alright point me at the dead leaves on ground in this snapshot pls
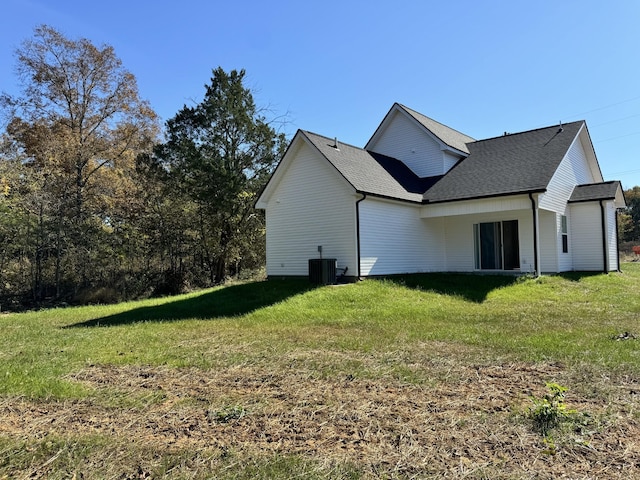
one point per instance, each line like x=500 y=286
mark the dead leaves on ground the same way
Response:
x=465 y=419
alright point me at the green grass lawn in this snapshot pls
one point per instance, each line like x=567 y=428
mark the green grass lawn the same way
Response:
x=371 y=331
x=569 y=318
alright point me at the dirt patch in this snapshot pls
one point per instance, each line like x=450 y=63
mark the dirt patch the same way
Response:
x=469 y=421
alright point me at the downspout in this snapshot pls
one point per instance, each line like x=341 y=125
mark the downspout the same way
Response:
x=535 y=234
x=364 y=195
x=604 y=239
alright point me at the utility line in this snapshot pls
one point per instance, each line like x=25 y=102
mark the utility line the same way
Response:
x=617 y=120
x=604 y=108
x=615 y=138
x=625 y=172
x=579 y=116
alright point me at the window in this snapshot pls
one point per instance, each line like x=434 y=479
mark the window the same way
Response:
x=496 y=245
x=565 y=234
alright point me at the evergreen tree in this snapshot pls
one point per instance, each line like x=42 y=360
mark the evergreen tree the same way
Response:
x=219 y=153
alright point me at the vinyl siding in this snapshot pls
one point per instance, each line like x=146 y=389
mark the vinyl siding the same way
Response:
x=450 y=161
x=393 y=239
x=408 y=142
x=460 y=244
x=586 y=236
x=437 y=248
x=573 y=170
x=552 y=258
x=612 y=235
x=312 y=205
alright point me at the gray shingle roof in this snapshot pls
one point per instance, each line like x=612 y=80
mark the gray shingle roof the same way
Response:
x=595 y=191
x=507 y=165
x=516 y=163
x=447 y=135
x=364 y=171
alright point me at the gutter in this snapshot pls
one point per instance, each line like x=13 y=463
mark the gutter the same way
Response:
x=483 y=197
x=395 y=199
x=605 y=265
x=364 y=195
x=534 y=212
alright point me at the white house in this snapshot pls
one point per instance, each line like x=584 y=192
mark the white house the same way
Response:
x=422 y=197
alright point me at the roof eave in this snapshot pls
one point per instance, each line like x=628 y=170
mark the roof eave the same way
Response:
x=484 y=197
x=394 y=107
x=389 y=197
x=263 y=198
x=590 y=151
x=455 y=151
x=401 y=108
x=586 y=200
x=617 y=197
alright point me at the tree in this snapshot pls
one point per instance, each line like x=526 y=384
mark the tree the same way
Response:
x=220 y=153
x=630 y=219
x=81 y=124
x=85 y=100
x=17 y=226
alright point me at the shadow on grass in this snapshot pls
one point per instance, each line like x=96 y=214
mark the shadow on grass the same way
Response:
x=473 y=288
x=577 y=276
x=223 y=302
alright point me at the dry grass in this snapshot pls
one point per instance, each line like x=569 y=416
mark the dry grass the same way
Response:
x=464 y=420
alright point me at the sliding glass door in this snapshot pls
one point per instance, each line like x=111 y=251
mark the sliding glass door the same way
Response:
x=496 y=245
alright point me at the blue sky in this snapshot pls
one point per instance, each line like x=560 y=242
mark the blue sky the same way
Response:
x=336 y=67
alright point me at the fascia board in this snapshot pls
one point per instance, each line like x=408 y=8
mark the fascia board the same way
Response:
x=381 y=127
x=590 y=152
x=398 y=108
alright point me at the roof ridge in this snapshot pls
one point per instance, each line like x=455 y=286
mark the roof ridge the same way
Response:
x=434 y=121
x=597 y=183
x=365 y=171
x=308 y=132
x=529 y=131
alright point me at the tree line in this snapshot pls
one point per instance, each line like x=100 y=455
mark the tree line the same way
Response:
x=629 y=219
x=99 y=203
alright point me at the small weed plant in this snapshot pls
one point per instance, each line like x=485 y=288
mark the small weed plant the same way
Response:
x=227 y=414
x=550 y=410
